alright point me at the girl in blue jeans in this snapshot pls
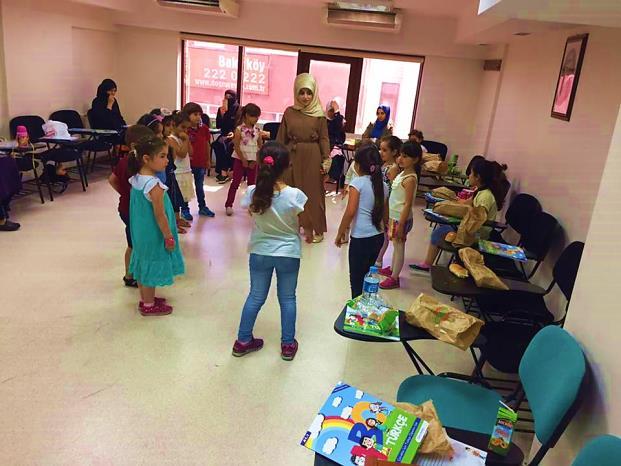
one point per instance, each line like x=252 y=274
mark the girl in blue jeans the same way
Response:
x=274 y=245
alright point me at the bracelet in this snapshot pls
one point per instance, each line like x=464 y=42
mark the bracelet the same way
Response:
x=169 y=241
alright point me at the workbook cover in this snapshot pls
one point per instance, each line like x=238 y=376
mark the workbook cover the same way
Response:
x=503 y=250
x=378 y=321
x=442 y=218
x=353 y=425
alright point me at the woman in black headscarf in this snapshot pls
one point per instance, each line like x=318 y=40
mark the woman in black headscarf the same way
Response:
x=105 y=112
x=226 y=121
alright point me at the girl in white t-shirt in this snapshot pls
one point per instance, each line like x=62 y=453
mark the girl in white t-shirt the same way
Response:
x=366 y=214
x=247 y=141
x=274 y=245
x=180 y=142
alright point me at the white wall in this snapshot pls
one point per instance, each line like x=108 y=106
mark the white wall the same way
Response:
x=594 y=315
x=41 y=43
x=559 y=162
x=148 y=62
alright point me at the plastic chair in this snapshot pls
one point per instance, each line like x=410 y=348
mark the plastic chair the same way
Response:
x=553 y=375
x=73 y=120
x=272 y=128
x=435 y=147
x=601 y=451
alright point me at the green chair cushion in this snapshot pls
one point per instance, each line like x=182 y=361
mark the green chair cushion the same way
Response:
x=601 y=451
x=459 y=404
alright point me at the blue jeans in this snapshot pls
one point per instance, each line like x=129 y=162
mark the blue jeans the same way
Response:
x=261 y=270
x=199 y=178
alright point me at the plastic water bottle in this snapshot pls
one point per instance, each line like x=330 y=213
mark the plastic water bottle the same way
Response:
x=370 y=286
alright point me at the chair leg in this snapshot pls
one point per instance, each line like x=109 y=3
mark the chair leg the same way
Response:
x=38 y=182
x=83 y=169
x=78 y=162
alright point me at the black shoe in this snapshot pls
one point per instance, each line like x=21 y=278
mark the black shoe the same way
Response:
x=221 y=179
x=9 y=226
x=131 y=282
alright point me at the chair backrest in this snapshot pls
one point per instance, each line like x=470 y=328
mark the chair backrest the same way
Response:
x=272 y=128
x=538 y=238
x=89 y=117
x=566 y=268
x=553 y=373
x=601 y=451
x=435 y=147
x=33 y=124
x=521 y=212
x=70 y=117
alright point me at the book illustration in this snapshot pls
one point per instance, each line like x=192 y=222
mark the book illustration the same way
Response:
x=352 y=426
x=503 y=250
x=376 y=321
x=463 y=455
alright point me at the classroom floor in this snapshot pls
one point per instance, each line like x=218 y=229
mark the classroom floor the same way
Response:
x=87 y=380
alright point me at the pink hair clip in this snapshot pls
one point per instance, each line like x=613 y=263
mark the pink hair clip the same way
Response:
x=269 y=160
x=372 y=169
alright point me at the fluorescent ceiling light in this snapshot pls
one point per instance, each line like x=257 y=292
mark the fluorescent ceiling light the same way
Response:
x=375 y=7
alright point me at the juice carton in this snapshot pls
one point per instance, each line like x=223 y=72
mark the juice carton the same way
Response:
x=500 y=441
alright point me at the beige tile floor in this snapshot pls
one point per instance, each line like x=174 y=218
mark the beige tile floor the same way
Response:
x=87 y=380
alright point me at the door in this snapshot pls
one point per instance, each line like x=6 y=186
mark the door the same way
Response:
x=338 y=78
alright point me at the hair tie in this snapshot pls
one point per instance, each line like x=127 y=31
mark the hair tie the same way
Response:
x=269 y=160
x=372 y=169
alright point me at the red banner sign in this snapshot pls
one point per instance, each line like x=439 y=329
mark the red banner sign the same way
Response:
x=212 y=69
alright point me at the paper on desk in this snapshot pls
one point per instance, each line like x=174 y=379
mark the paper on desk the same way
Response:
x=464 y=455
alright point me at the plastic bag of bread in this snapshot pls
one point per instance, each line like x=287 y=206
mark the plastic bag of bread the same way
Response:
x=458 y=270
x=436 y=440
x=450 y=236
x=470 y=224
x=451 y=209
x=431 y=157
x=436 y=166
x=444 y=193
x=482 y=275
x=443 y=321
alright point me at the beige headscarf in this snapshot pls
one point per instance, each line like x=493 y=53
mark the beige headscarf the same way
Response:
x=307 y=81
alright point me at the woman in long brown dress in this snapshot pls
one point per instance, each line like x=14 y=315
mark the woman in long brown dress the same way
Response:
x=304 y=131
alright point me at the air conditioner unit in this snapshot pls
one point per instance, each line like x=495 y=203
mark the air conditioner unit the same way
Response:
x=210 y=7
x=375 y=16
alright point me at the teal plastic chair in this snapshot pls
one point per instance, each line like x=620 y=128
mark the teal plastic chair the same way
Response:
x=553 y=374
x=601 y=451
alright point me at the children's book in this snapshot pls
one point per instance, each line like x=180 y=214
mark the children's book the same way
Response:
x=353 y=425
x=432 y=199
x=375 y=321
x=503 y=250
x=463 y=455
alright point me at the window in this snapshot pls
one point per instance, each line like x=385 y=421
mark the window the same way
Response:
x=388 y=82
x=212 y=68
x=332 y=80
x=268 y=80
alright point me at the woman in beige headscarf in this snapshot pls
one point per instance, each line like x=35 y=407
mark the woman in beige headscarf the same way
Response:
x=305 y=133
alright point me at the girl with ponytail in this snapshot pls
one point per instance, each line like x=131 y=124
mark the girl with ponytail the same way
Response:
x=274 y=245
x=366 y=213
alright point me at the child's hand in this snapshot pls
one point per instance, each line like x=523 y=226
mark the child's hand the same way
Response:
x=401 y=232
x=308 y=237
x=184 y=136
x=340 y=239
x=169 y=243
x=345 y=192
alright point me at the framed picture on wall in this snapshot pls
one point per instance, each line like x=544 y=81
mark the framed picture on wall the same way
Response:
x=568 y=75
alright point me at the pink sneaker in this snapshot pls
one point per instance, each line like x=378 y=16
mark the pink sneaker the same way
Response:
x=386 y=272
x=158 y=309
x=156 y=301
x=389 y=284
x=242 y=349
x=288 y=351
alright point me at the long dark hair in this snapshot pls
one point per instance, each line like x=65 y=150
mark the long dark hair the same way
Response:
x=493 y=178
x=370 y=163
x=472 y=162
x=150 y=121
x=270 y=171
x=250 y=109
x=147 y=145
x=105 y=86
x=413 y=150
x=394 y=143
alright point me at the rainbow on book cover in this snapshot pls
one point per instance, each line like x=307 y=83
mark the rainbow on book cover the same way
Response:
x=353 y=425
x=504 y=250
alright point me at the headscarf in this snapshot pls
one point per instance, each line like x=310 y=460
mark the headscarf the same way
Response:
x=380 y=126
x=307 y=81
x=105 y=86
x=232 y=101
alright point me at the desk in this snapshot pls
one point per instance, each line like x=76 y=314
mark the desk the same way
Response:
x=443 y=281
x=432 y=183
x=475 y=439
x=11 y=147
x=432 y=217
x=93 y=132
x=73 y=153
x=407 y=333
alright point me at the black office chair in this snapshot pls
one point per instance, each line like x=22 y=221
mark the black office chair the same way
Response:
x=113 y=140
x=434 y=147
x=73 y=120
x=33 y=123
x=272 y=128
x=25 y=164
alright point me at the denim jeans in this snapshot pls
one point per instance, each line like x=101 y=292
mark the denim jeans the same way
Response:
x=199 y=179
x=261 y=270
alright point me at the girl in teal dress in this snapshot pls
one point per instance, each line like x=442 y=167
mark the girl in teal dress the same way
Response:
x=156 y=257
